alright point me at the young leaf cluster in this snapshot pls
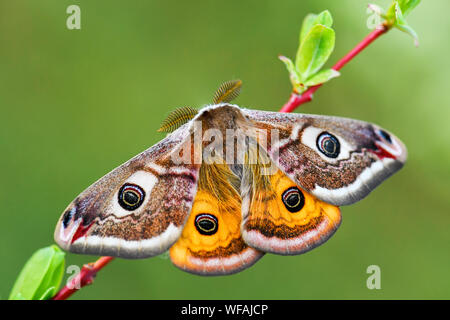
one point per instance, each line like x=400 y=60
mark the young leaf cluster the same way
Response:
x=316 y=43
x=395 y=16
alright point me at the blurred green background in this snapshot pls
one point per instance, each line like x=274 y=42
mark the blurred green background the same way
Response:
x=77 y=103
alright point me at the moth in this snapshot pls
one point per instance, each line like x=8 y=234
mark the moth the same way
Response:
x=230 y=184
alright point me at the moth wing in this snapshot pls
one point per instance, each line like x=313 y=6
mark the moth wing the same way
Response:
x=363 y=156
x=211 y=242
x=97 y=222
x=280 y=217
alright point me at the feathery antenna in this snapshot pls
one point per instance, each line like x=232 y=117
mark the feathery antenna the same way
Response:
x=177 y=118
x=228 y=91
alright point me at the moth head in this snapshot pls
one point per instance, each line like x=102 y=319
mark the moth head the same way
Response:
x=225 y=93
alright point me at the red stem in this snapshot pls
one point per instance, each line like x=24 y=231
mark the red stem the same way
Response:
x=84 y=278
x=89 y=271
x=296 y=100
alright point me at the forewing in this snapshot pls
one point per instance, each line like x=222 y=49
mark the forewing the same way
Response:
x=366 y=155
x=98 y=222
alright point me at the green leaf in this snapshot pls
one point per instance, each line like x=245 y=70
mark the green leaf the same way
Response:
x=308 y=23
x=290 y=68
x=48 y=294
x=321 y=77
x=315 y=50
x=323 y=18
x=17 y=297
x=41 y=275
x=402 y=25
x=406 y=6
x=293 y=74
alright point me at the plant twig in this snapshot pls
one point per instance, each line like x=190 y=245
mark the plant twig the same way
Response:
x=84 y=278
x=296 y=100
